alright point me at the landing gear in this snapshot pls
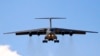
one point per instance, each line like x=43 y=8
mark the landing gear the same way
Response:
x=44 y=41
x=56 y=41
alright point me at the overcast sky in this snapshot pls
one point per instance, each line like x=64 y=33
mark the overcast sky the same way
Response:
x=16 y=15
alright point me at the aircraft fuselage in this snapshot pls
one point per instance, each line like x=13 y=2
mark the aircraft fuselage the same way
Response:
x=50 y=37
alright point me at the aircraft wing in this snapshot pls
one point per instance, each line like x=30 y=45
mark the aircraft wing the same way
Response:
x=40 y=31
x=62 y=31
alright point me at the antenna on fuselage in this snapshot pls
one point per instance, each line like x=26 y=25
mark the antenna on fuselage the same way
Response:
x=50 y=19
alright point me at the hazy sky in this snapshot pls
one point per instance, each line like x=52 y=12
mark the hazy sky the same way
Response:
x=16 y=15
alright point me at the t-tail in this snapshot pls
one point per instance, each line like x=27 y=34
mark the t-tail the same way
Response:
x=50 y=19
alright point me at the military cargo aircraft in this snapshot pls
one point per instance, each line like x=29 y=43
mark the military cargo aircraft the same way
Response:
x=50 y=33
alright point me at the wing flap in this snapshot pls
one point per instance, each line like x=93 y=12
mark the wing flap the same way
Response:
x=40 y=31
x=70 y=31
x=22 y=33
x=33 y=33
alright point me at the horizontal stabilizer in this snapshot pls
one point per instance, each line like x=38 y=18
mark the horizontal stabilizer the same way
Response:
x=51 y=18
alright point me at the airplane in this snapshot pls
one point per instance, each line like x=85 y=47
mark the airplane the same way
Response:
x=50 y=33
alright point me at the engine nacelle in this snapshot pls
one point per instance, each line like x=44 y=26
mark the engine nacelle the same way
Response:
x=38 y=34
x=30 y=34
x=71 y=34
x=63 y=33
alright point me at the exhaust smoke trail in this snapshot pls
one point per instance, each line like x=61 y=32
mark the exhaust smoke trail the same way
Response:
x=67 y=44
x=35 y=48
x=71 y=46
x=30 y=47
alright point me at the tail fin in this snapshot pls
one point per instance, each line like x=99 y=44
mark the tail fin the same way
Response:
x=50 y=19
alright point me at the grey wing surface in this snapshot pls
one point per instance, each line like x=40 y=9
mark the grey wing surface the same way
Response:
x=40 y=31
x=70 y=31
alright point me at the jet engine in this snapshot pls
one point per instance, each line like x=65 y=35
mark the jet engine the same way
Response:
x=71 y=34
x=30 y=34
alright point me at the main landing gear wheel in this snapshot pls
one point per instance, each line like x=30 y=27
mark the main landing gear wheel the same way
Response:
x=56 y=41
x=44 y=41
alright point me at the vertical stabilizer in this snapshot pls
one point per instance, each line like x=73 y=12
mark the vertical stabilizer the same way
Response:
x=50 y=19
